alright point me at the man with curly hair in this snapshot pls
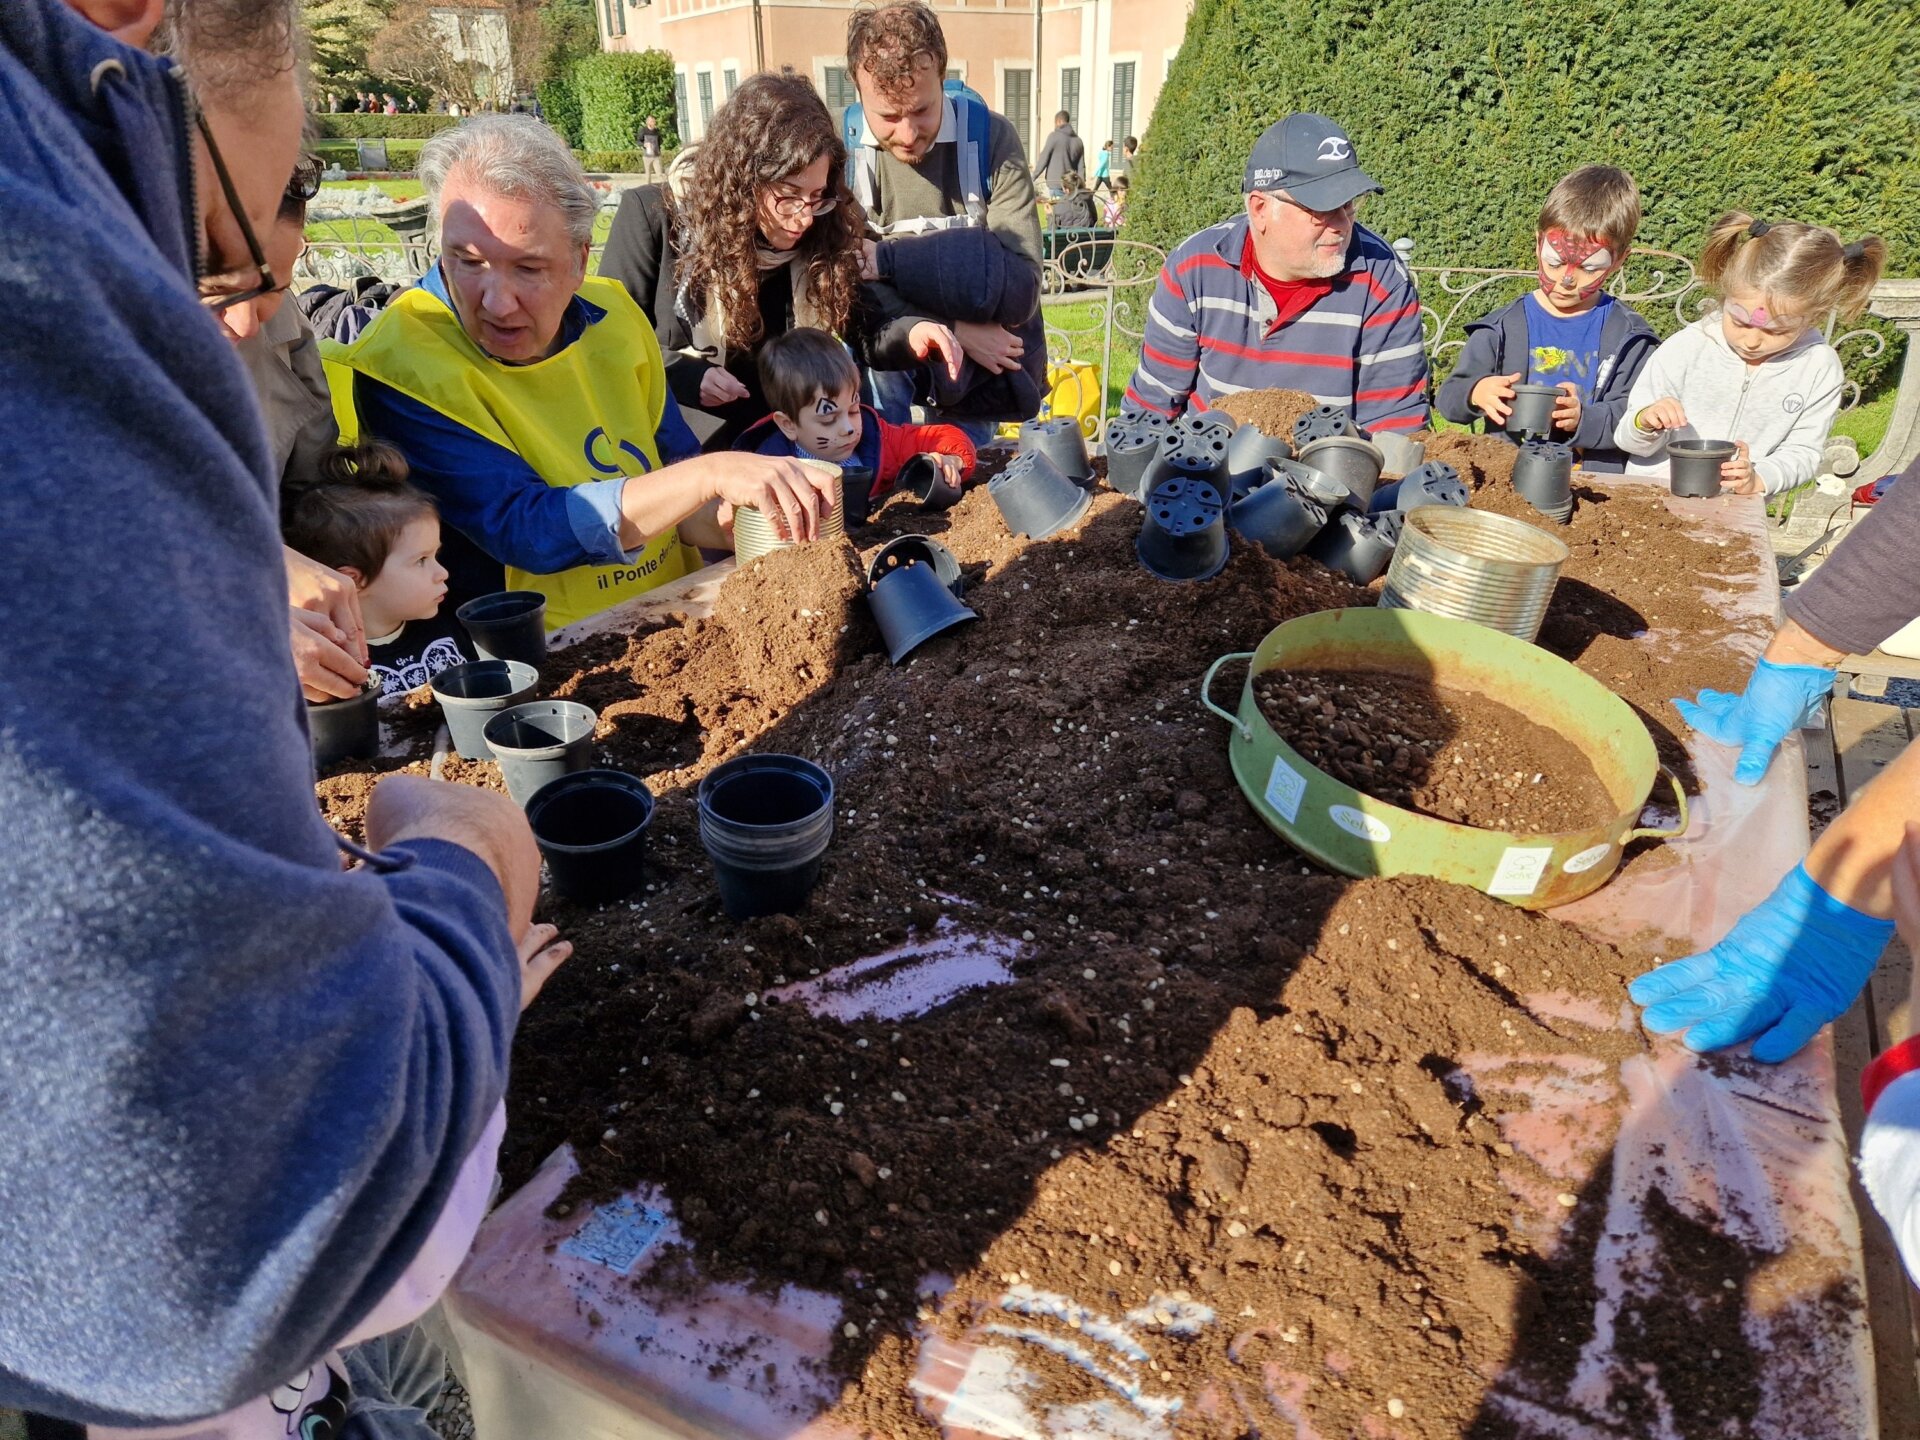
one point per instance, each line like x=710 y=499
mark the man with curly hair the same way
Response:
x=950 y=200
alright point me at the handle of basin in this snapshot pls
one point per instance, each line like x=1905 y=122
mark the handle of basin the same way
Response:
x=1679 y=799
x=1206 y=692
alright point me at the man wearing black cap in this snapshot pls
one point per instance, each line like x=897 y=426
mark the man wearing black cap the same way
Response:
x=1293 y=294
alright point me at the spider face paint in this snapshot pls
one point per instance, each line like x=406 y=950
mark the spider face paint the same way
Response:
x=1572 y=269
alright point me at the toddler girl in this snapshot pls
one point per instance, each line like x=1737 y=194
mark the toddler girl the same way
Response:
x=359 y=515
x=1756 y=370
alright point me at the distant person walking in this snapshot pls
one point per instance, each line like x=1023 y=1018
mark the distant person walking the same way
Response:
x=1060 y=153
x=649 y=140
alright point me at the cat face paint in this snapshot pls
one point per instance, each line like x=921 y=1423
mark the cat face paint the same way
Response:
x=1573 y=268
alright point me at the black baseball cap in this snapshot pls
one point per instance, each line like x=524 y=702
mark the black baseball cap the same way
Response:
x=1310 y=158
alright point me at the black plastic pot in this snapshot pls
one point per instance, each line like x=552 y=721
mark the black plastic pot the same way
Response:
x=345 y=729
x=1401 y=454
x=1324 y=422
x=1354 y=462
x=1184 y=533
x=1035 y=499
x=1278 y=518
x=1325 y=491
x=1247 y=455
x=765 y=821
x=540 y=741
x=511 y=625
x=1060 y=440
x=1358 y=546
x=473 y=693
x=1435 y=483
x=1693 y=466
x=1543 y=477
x=921 y=478
x=591 y=827
x=1531 y=417
x=1206 y=427
x=908 y=549
x=1131 y=447
x=912 y=604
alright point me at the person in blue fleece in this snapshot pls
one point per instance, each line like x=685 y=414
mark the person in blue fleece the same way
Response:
x=245 y=1091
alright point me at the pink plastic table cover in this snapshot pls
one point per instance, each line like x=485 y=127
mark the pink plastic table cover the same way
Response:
x=555 y=1339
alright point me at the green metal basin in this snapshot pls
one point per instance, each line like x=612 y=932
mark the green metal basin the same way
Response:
x=1359 y=835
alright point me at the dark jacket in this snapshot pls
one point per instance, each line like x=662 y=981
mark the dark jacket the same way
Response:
x=1497 y=344
x=640 y=254
x=1078 y=211
x=1060 y=153
x=237 y=1082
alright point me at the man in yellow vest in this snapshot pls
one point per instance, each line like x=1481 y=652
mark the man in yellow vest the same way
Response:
x=531 y=401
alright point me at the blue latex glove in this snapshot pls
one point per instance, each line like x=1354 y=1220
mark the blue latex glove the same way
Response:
x=1791 y=964
x=1778 y=699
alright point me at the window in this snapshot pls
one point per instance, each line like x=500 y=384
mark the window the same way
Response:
x=729 y=82
x=680 y=106
x=615 y=14
x=957 y=72
x=1070 y=92
x=840 y=93
x=1016 y=101
x=1122 y=101
x=704 y=79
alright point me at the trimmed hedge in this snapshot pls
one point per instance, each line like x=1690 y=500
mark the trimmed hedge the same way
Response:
x=1468 y=111
x=401 y=154
x=561 y=106
x=382 y=127
x=618 y=91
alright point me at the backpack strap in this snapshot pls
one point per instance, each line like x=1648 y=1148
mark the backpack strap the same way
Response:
x=862 y=161
x=975 y=142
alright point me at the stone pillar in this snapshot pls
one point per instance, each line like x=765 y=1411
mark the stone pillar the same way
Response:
x=1899 y=301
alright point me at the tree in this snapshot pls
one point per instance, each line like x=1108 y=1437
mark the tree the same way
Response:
x=338 y=33
x=570 y=33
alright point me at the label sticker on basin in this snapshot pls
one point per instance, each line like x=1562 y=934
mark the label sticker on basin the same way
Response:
x=1519 y=870
x=1285 y=786
x=618 y=1235
x=1355 y=823
x=1587 y=859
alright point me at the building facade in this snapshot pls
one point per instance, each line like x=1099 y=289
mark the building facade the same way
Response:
x=1102 y=61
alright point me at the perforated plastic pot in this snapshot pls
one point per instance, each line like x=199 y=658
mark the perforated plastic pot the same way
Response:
x=511 y=625
x=766 y=821
x=1531 y=417
x=540 y=741
x=912 y=604
x=1060 y=440
x=1543 y=477
x=923 y=480
x=1247 y=455
x=1278 y=518
x=1355 y=463
x=908 y=549
x=1131 y=448
x=1183 y=535
x=1435 y=483
x=1035 y=499
x=473 y=693
x=1693 y=466
x=1400 y=454
x=1358 y=546
x=1324 y=422
x=591 y=827
x=345 y=729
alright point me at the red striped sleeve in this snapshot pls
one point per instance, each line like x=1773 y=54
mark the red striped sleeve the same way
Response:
x=1384 y=397
x=1134 y=397
x=1275 y=357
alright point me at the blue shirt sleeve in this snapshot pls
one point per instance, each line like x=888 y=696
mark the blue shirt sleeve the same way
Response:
x=491 y=495
x=674 y=438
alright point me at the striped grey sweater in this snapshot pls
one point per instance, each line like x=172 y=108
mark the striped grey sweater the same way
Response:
x=1210 y=333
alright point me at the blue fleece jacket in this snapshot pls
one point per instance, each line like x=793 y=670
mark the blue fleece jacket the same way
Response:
x=236 y=1081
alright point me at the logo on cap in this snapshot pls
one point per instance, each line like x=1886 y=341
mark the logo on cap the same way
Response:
x=1335 y=147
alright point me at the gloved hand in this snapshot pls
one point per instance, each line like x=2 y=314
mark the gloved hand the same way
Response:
x=1778 y=698
x=1791 y=964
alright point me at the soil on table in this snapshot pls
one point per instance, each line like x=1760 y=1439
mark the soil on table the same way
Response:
x=1273 y=411
x=1436 y=749
x=1211 y=1075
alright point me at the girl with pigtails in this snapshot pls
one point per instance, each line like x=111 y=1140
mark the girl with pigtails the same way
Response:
x=1756 y=370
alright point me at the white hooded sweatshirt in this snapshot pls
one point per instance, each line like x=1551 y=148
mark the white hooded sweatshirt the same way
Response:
x=1783 y=407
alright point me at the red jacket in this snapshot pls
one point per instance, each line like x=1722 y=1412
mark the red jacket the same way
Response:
x=884 y=449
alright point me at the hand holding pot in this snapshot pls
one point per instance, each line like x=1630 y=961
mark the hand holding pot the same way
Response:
x=1566 y=410
x=541 y=953
x=793 y=496
x=720 y=386
x=1737 y=476
x=1493 y=396
x=994 y=348
x=1663 y=414
x=325 y=591
x=1792 y=964
x=326 y=669
x=948 y=467
x=929 y=336
x=1778 y=699
x=486 y=822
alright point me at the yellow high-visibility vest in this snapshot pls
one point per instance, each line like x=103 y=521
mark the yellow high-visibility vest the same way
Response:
x=587 y=413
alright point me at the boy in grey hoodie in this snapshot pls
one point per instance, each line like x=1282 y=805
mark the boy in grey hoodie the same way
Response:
x=1757 y=370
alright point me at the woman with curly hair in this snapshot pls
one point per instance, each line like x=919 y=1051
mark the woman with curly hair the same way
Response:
x=755 y=233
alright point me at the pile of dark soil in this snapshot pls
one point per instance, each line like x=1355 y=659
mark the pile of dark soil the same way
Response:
x=1208 y=1069
x=1437 y=749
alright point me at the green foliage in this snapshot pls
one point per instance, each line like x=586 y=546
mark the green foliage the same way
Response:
x=338 y=33
x=609 y=162
x=569 y=34
x=1468 y=111
x=618 y=92
x=402 y=155
x=561 y=106
x=382 y=127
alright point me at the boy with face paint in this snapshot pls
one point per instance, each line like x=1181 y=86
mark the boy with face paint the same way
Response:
x=1568 y=332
